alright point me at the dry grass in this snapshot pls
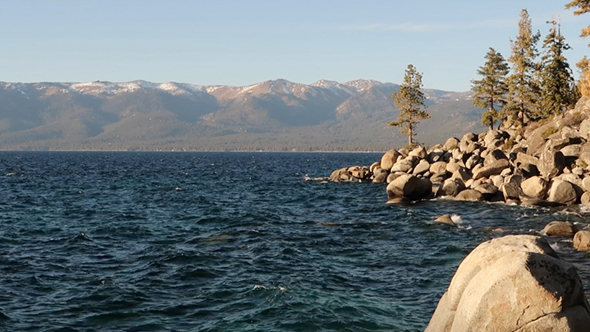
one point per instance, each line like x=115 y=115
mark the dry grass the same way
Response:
x=548 y=132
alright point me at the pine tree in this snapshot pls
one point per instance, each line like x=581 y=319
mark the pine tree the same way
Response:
x=558 y=91
x=490 y=91
x=523 y=89
x=583 y=6
x=409 y=100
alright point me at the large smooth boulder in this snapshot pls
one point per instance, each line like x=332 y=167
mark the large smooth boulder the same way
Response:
x=571 y=151
x=473 y=161
x=439 y=167
x=582 y=240
x=451 y=187
x=493 y=169
x=380 y=177
x=536 y=141
x=422 y=167
x=451 y=143
x=469 y=195
x=576 y=182
x=585 y=129
x=419 y=152
x=562 y=192
x=409 y=187
x=535 y=187
x=461 y=173
x=523 y=158
x=404 y=165
x=492 y=137
x=585 y=153
x=493 y=157
x=560 y=228
x=558 y=144
x=511 y=187
x=489 y=192
x=551 y=163
x=512 y=283
x=389 y=159
x=374 y=166
x=452 y=165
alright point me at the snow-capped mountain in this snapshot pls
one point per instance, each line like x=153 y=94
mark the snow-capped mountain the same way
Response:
x=271 y=115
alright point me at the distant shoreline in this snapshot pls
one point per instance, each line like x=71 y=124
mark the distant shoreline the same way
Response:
x=190 y=151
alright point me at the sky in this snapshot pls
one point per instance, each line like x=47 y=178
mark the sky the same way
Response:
x=243 y=42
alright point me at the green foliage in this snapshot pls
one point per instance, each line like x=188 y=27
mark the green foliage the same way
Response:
x=558 y=89
x=548 y=132
x=508 y=144
x=523 y=87
x=409 y=100
x=490 y=91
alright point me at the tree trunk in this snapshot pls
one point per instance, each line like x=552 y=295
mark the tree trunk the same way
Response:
x=410 y=135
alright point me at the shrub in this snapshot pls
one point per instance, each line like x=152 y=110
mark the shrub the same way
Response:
x=548 y=132
x=508 y=144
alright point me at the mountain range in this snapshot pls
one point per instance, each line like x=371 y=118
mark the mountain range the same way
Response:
x=275 y=115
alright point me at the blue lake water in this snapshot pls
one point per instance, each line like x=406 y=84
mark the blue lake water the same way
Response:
x=93 y=241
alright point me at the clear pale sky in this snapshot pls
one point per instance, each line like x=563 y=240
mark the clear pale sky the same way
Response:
x=243 y=42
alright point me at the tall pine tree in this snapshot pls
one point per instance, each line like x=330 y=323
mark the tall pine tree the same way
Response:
x=523 y=89
x=409 y=100
x=558 y=91
x=490 y=91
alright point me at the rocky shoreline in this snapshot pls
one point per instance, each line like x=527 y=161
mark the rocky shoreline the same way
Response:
x=515 y=282
x=544 y=165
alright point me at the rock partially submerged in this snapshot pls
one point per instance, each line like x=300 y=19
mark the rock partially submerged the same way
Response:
x=513 y=283
x=560 y=228
x=445 y=219
x=582 y=241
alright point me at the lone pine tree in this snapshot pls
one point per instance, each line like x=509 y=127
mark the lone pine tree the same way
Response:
x=523 y=88
x=409 y=100
x=490 y=91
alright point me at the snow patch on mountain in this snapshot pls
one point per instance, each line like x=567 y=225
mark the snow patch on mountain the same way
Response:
x=181 y=88
x=361 y=85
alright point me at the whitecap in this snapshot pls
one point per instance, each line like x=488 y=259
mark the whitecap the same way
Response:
x=466 y=227
x=456 y=219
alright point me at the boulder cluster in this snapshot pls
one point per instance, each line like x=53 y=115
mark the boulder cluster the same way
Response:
x=544 y=165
